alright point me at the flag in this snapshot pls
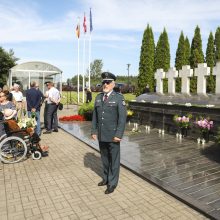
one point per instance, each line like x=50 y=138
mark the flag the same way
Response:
x=84 y=24
x=78 y=30
x=91 y=28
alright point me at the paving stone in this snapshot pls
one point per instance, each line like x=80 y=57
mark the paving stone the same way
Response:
x=64 y=186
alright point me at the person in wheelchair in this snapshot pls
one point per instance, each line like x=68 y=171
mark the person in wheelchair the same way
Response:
x=13 y=128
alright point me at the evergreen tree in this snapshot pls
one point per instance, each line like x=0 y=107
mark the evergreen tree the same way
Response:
x=217 y=45
x=162 y=55
x=210 y=60
x=180 y=53
x=187 y=51
x=196 y=56
x=180 y=59
x=146 y=64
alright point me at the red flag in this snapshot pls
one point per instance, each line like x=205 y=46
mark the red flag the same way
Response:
x=84 y=24
x=78 y=30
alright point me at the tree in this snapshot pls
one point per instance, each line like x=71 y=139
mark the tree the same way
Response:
x=196 y=56
x=74 y=80
x=217 y=45
x=180 y=59
x=180 y=53
x=187 y=51
x=162 y=55
x=210 y=60
x=7 y=61
x=95 y=69
x=146 y=64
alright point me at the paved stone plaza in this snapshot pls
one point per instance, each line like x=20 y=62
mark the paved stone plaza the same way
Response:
x=64 y=186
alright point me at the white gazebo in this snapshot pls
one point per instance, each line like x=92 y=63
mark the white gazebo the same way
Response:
x=40 y=72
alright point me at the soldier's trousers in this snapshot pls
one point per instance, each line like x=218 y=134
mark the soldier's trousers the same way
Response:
x=110 y=155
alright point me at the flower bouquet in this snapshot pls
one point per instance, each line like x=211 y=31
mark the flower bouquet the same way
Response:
x=205 y=125
x=183 y=123
x=129 y=115
x=27 y=122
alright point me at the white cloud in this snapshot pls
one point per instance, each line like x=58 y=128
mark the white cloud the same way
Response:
x=175 y=15
x=22 y=22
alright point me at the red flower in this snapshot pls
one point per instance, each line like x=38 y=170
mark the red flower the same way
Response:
x=72 y=118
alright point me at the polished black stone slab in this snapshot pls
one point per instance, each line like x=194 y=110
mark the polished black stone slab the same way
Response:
x=186 y=170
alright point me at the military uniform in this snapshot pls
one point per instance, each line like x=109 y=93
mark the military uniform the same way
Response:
x=109 y=119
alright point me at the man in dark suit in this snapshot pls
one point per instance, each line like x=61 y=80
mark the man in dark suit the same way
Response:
x=108 y=124
x=34 y=98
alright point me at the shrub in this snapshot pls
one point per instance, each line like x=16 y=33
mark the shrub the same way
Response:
x=86 y=110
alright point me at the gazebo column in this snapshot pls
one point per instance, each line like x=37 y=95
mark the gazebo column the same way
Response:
x=60 y=83
x=29 y=79
x=43 y=83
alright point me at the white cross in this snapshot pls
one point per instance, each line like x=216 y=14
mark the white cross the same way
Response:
x=185 y=73
x=172 y=74
x=159 y=76
x=201 y=72
x=216 y=72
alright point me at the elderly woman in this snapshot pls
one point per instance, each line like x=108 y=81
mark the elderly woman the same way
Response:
x=4 y=101
x=9 y=116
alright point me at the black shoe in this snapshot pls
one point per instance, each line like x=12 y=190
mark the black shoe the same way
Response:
x=102 y=183
x=47 y=132
x=110 y=189
x=44 y=154
x=55 y=130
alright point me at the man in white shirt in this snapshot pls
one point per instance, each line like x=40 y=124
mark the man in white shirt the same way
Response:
x=53 y=100
x=18 y=99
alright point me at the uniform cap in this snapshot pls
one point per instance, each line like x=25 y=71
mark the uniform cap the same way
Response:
x=108 y=76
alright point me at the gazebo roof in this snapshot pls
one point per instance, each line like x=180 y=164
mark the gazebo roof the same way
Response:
x=35 y=66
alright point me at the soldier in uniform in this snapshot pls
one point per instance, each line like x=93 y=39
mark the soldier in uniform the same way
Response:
x=108 y=124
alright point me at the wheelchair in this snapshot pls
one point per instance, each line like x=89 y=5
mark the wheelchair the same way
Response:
x=15 y=146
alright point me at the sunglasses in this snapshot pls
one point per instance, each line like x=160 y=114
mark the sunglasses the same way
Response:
x=106 y=82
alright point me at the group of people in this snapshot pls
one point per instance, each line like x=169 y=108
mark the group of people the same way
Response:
x=108 y=122
x=14 y=99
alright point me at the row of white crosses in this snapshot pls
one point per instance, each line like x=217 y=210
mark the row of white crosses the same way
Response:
x=202 y=71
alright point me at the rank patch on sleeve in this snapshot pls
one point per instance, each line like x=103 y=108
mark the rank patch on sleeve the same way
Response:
x=123 y=102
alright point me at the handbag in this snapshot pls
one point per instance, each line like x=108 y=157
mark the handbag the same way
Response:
x=60 y=106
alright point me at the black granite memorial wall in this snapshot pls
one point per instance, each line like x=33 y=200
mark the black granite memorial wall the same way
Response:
x=161 y=116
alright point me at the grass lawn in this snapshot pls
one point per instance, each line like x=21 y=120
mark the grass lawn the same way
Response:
x=71 y=97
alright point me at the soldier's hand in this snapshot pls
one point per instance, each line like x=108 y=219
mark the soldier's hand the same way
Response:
x=116 y=139
x=94 y=137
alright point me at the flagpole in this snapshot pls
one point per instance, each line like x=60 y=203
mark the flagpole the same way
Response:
x=84 y=51
x=78 y=62
x=89 y=57
x=78 y=75
x=91 y=28
x=84 y=48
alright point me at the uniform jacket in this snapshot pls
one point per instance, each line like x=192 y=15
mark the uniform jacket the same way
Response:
x=109 y=118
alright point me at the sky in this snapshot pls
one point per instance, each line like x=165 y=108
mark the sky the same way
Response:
x=44 y=30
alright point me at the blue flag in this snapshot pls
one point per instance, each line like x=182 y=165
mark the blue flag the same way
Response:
x=91 y=28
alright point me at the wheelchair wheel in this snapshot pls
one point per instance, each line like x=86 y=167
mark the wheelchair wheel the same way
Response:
x=3 y=136
x=12 y=149
x=36 y=155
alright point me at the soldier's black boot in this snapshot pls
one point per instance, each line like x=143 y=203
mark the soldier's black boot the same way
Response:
x=110 y=189
x=102 y=183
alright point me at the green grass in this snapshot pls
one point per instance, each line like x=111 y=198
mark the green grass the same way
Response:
x=71 y=97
